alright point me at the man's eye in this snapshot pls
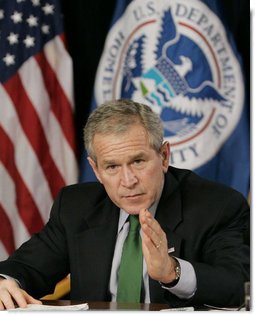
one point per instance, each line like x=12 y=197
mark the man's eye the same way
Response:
x=112 y=168
x=138 y=161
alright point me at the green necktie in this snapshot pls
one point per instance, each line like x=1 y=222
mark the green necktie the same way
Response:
x=131 y=265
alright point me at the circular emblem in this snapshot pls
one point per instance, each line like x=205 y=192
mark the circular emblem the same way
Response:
x=175 y=56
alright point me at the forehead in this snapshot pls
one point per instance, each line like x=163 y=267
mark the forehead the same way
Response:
x=134 y=140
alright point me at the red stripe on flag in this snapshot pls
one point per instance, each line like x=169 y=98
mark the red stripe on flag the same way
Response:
x=63 y=39
x=6 y=232
x=34 y=131
x=60 y=105
x=27 y=208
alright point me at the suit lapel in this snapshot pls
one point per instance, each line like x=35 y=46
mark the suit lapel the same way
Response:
x=169 y=212
x=95 y=246
x=169 y=216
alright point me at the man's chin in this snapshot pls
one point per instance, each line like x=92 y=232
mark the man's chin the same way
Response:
x=134 y=210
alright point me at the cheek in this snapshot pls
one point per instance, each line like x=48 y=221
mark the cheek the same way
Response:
x=110 y=184
x=154 y=178
x=151 y=178
x=156 y=171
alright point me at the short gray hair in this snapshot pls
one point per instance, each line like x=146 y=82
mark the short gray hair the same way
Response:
x=116 y=117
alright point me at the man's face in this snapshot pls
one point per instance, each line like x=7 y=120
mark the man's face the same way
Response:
x=130 y=170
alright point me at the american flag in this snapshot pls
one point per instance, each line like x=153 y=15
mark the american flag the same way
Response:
x=37 y=138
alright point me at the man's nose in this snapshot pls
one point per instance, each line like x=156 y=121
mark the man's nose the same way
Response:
x=128 y=177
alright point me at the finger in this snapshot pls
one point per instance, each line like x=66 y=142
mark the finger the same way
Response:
x=155 y=239
x=152 y=223
x=153 y=249
x=1 y=306
x=142 y=215
x=19 y=296
x=152 y=229
x=6 y=300
x=31 y=300
x=22 y=298
x=147 y=218
x=11 y=294
x=148 y=245
x=157 y=260
x=154 y=258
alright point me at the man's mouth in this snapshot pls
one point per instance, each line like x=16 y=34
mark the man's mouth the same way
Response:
x=133 y=196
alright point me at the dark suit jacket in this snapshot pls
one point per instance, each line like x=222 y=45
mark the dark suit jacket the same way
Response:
x=203 y=221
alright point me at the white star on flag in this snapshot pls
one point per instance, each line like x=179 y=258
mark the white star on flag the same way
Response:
x=35 y=2
x=1 y=14
x=29 y=41
x=13 y=38
x=32 y=21
x=48 y=9
x=9 y=59
x=16 y=17
x=45 y=29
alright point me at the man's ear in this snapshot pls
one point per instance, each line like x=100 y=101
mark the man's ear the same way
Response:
x=165 y=153
x=94 y=167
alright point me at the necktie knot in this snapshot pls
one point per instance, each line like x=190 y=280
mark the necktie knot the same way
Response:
x=134 y=223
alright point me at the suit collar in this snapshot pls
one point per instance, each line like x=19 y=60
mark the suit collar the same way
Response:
x=169 y=211
x=94 y=246
x=169 y=215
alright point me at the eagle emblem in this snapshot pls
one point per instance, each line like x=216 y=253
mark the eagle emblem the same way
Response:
x=171 y=86
x=176 y=57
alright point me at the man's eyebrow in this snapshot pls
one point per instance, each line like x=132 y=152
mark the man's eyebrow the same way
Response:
x=137 y=156
x=109 y=162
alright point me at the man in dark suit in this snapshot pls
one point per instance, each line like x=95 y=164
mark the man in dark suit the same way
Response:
x=192 y=230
